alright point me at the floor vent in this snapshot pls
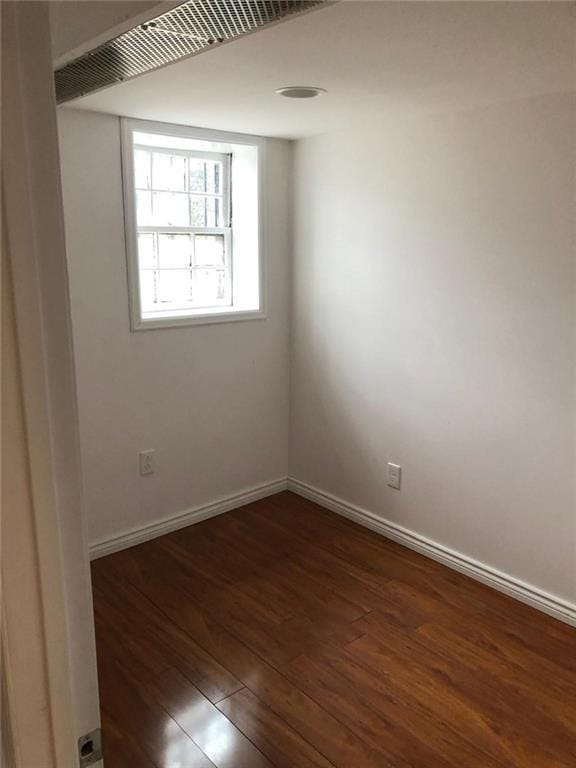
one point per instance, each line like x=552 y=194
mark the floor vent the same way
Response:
x=183 y=31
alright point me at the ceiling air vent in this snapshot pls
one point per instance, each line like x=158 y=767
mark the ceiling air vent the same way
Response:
x=183 y=31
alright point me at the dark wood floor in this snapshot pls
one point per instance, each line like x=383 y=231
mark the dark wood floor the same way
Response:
x=283 y=635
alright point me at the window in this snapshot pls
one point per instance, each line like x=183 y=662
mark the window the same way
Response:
x=192 y=225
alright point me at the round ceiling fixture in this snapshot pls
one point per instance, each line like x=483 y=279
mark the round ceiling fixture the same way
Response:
x=300 y=91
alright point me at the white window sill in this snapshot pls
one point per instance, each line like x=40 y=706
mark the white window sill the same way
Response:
x=200 y=319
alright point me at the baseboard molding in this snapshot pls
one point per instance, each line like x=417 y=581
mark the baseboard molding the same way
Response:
x=183 y=519
x=509 y=585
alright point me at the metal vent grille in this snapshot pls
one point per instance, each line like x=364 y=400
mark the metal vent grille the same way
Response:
x=183 y=31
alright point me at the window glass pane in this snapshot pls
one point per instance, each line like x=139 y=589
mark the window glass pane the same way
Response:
x=148 y=290
x=209 y=288
x=182 y=216
x=175 y=251
x=168 y=172
x=205 y=176
x=205 y=211
x=174 y=287
x=142 y=169
x=209 y=250
x=146 y=251
x=170 y=209
x=144 y=208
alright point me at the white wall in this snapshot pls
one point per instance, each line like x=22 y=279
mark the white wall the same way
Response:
x=433 y=326
x=434 y=314
x=211 y=400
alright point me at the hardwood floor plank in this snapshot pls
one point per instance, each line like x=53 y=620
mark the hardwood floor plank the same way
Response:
x=559 y=704
x=136 y=653
x=432 y=601
x=261 y=534
x=501 y=646
x=383 y=559
x=145 y=721
x=282 y=635
x=381 y=718
x=271 y=734
x=120 y=748
x=276 y=643
x=217 y=737
x=282 y=584
x=508 y=719
x=148 y=631
x=530 y=622
x=305 y=716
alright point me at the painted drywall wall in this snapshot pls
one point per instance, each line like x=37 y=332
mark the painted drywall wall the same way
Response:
x=211 y=400
x=434 y=311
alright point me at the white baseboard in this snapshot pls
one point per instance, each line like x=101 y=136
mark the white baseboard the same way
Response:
x=183 y=519
x=527 y=593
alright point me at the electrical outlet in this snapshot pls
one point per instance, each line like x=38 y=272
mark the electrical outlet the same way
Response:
x=394 y=475
x=147 y=462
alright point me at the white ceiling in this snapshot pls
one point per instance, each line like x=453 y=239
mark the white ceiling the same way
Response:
x=374 y=58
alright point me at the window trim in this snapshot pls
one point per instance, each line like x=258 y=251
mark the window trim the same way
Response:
x=204 y=316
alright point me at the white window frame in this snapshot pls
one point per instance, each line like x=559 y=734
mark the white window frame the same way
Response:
x=201 y=316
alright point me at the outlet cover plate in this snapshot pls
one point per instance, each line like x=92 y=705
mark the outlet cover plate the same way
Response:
x=394 y=475
x=148 y=462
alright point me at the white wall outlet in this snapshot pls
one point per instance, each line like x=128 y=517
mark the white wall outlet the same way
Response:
x=394 y=475
x=147 y=462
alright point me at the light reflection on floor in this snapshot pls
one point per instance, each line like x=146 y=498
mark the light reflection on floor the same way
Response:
x=210 y=731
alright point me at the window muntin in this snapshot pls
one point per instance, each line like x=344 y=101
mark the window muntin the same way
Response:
x=183 y=228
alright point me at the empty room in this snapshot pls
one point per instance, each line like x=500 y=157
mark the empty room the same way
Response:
x=291 y=310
